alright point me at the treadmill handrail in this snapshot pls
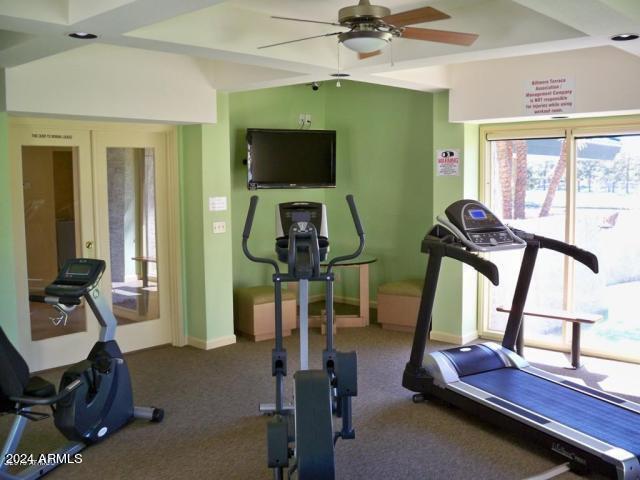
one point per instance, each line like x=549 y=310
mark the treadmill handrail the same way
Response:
x=585 y=257
x=483 y=266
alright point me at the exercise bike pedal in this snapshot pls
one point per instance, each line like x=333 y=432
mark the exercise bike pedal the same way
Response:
x=33 y=416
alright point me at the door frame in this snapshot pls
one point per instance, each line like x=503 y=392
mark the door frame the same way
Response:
x=146 y=330
x=22 y=128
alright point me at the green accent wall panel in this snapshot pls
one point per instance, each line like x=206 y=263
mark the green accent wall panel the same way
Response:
x=8 y=319
x=384 y=144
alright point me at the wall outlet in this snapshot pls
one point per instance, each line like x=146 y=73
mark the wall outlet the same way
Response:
x=307 y=119
x=302 y=119
x=219 y=227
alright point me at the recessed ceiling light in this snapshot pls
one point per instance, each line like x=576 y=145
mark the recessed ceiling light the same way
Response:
x=83 y=35
x=624 y=37
x=340 y=75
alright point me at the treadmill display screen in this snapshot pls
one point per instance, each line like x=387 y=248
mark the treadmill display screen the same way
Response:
x=477 y=214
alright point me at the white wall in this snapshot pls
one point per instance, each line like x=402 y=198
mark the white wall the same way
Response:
x=104 y=81
x=606 y=82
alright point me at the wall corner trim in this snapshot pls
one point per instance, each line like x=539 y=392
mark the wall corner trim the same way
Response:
x=454 y=339
x=213 y=343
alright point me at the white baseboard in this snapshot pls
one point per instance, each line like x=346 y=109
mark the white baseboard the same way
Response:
x=453 y=339
x=213 y=343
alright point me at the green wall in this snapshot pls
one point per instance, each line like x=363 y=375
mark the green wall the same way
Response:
x=383 y=158
x=208 y=273
x=190 y=142
x=7 y=281
x=268 y=108
x=455 y=311
x=384 y=144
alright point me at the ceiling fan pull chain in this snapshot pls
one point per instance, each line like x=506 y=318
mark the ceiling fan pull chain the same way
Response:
x=391 y=54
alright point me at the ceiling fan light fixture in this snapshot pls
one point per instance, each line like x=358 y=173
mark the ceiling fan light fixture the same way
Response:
x=624 y=37
x=83 y=35
x=365 y=41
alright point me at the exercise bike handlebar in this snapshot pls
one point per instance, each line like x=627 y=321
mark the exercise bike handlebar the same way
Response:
x=585 y=257
x=361 y=235
x=66 y=391
x=52 y=300
x=253 y=204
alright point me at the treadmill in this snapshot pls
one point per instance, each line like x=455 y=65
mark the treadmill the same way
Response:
x=595 y=431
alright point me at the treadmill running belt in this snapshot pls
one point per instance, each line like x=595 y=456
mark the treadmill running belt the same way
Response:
x=602 y=420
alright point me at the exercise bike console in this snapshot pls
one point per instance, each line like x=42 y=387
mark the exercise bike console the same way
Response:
x=76 y=277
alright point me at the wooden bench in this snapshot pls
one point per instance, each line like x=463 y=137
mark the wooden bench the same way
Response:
x=576 y=319
x=255 y=312
x=144 y=262
x=398 y=304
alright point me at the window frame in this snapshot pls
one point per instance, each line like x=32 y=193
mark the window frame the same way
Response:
x=571 y=130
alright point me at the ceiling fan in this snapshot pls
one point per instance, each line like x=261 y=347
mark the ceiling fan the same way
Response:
x=372 y=27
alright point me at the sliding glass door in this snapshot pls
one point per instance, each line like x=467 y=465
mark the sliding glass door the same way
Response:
x=528 y=191
x=607 y=222
x=583 y=189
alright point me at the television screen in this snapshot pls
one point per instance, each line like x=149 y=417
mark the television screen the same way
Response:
x=291 y=158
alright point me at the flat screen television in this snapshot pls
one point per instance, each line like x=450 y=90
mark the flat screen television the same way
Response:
x=291 y=158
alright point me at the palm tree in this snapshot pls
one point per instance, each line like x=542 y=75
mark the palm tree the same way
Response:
x=504 y=152
x=521 y=179
x=556 y=177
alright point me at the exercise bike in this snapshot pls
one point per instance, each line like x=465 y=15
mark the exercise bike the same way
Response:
x=301 y=437
x=94 y=398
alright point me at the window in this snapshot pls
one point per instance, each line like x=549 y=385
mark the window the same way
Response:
x=583 y=188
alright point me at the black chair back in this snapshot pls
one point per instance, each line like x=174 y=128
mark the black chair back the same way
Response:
x=14 y=373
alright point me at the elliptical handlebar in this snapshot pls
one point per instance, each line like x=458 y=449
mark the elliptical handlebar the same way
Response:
x=247 y=232
x=361 y=236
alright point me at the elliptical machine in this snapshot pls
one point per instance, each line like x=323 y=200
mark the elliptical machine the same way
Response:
x=94 y=398
x=300 y=437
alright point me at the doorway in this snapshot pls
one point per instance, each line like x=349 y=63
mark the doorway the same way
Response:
x=96 y=191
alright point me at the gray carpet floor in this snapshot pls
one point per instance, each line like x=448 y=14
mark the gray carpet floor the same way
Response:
x=212 y=428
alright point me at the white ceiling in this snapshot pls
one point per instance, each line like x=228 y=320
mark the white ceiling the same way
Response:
x=227 y=34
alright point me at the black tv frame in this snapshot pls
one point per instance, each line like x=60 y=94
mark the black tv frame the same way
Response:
x=260 y=186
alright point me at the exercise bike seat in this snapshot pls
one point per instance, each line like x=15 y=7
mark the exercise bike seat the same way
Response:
x=39 y=387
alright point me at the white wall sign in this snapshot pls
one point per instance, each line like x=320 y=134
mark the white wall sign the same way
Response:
x=217 y=204
x=549 y=96
x=448 y=162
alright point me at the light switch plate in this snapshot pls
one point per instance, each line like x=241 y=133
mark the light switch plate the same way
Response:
x=217 y=204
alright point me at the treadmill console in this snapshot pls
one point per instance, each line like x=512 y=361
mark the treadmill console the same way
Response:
x=478 y=228
x=77 y=277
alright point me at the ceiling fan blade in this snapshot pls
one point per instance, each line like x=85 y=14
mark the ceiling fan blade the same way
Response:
x=362 y=56
x=412 y=17
x=440 y=36
x=308 y=21
x=300 y=39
